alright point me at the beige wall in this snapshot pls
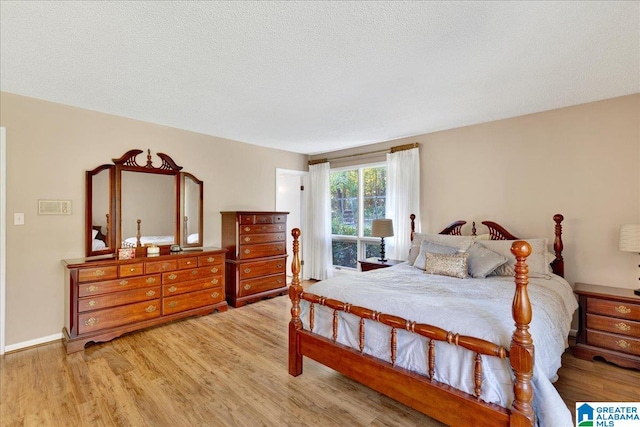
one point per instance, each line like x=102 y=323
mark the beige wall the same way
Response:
x=49 y=148
x=581 y=161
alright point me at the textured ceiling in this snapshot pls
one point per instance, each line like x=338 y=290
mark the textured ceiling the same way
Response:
x=312 y=77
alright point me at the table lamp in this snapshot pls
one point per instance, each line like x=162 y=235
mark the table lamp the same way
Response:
x=630 y=242
x=382 y=228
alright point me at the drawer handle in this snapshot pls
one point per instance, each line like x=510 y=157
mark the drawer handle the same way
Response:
x=247 y=251
x=623 y=326
x=279 y=227
x=92 y=288
x=151 y=293
x=247 y=287
x=214 y=282
x=264 y=227
x=150 y=309
x=623 y=344
x=91 y=321
x=247 y=229
x=247 y=270
x=279 y=265
x=247 y=239
x=215 y=295
x=151 y=280
x=124 y=282
x=214 y=270
x=172 y=276
x=92 y=303
x=99 y=273
x=132 y=269
x=623 y=310
x=165 y=266
x=173 y=289
x=210 y=259
x=279 y=280
x=188 y=262
x=172 y=304
x=194 y=272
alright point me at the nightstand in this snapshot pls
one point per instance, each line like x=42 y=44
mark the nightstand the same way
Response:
x=373 y=263
x=609 y=325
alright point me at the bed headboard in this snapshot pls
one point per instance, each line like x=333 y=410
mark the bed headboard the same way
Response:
x=498 y=232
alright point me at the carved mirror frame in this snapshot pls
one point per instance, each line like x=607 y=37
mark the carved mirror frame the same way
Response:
x=111 y=234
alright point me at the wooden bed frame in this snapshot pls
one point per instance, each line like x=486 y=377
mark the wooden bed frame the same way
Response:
x=440 y=401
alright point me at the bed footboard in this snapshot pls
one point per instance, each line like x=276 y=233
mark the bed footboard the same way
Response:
x=420 y=391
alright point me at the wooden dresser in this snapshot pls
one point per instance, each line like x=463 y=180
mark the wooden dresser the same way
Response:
x=257 y=254
x=106 y=297
x=609 y=325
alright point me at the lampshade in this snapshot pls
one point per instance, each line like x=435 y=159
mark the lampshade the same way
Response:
x=629 y=238
x=382 y=228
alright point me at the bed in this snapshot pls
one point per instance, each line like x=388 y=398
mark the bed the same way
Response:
x=446 y=346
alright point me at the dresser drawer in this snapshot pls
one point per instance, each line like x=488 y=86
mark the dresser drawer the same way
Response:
x=117 y=298
x=622 y=310
x=191 y=300
x=118 y=316
x=262 y=268
x=97 y=288
x=610 y=324
x=256 y=219
x=262 y=238
x=206 y=260
x=254 y=286
x=192 y=285
x=161 y=266
x=131 y=270
x=99 y=273
x=265 y=228
x=184 y=275
x=620 y=343
x=187 y=263
x=261 y=250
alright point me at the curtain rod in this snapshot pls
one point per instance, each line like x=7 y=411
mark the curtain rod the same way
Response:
x=392 y=150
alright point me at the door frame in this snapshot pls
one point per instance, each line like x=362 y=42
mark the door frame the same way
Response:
x=3 y=235
x=301 y=174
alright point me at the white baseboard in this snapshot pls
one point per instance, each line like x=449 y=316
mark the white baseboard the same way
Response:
x=33 y=343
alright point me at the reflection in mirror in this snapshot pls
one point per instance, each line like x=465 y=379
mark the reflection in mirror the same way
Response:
x=148 y=209
x=99 y=208
x=192 y=210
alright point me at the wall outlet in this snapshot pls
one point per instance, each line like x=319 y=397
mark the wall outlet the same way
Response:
x=18 y=219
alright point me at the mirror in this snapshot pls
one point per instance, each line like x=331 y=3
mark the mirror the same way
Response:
x=100 y=210
x=133 y=205
x=192 y=195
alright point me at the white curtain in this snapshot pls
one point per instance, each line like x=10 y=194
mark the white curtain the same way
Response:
x=403 y=199
x=317 y=231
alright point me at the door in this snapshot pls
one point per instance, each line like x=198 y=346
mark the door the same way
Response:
x=289 y=199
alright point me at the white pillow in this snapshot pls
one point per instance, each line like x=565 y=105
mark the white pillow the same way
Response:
x=537 y=261
x=461 y=243
x=433 y=248
x=94 y=233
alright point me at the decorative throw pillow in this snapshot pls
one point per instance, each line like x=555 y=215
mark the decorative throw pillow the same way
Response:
x=461 y=243
x=434 y=248
x=537 y=261
x=483 y=261
x=452 y=265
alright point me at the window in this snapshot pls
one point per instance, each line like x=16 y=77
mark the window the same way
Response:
x=358 y=196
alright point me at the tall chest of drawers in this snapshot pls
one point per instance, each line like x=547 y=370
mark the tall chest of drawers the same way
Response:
x=257 y=253
x=609 y=325
x=107 y=297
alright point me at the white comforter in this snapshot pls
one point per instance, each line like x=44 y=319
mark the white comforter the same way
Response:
x=476 y=307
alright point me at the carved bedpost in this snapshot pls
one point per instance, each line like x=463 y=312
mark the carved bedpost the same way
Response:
x=138 y=235
x=295 y=289
x=412 y=217
x=558 y=263
x=521 y=352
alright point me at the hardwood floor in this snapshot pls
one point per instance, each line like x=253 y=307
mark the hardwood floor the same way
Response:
x=226 y=369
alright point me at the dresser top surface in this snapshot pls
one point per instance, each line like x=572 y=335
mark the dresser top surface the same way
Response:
x=113 y=259
x=255 y=212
